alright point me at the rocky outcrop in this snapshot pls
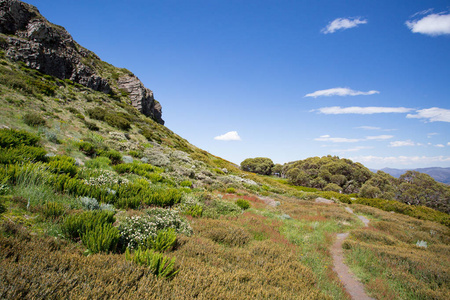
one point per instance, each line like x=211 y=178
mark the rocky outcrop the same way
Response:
x=25 y=35
x=141 y=97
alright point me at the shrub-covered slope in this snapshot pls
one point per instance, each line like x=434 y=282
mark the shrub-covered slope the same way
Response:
x=98 y=200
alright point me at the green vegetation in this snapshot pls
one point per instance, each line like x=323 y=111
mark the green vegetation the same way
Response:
x=259 y=165
x=68 y=186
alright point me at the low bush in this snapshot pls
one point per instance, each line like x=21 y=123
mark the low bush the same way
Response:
x=91 y=125
x=231 y=190
x=117 y=121
x=53 y=210
x=420 y=212
x=225 y=233
x=10 y=138
x=101 y=238
x=97 y=113
x=159 y=265
x=89 y=203
x=87 y=148
x=164 y=241
x=242 y=203
x=216 y=208
x=186 y=183
x=194 y=211
x=34 y=119
x=2 y=207
x=21 y=154
x=136 y=230
x=74 y=226
x=113 y=155
x=99 y=162
x=63 y=165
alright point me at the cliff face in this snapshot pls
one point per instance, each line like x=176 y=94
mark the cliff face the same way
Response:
x=25 y=35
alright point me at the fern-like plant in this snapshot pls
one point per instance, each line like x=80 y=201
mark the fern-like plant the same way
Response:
x=53 y=210
x=102 y=238
x=159 y=264
x=164 y=240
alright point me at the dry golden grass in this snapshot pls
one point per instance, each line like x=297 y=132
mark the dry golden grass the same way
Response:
x=387 y=258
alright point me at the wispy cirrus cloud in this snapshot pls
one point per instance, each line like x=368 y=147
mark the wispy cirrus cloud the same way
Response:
x=379 y=137
x=354 y=149
x=432 y=24
x=434 y=114
x=342 y=24
x=374 y=128
x=229 y=136
x=402 y=143
x=328 y=138
x=337 y=110
x=339 y=91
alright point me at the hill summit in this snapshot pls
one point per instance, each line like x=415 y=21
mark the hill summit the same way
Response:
x=25 y=35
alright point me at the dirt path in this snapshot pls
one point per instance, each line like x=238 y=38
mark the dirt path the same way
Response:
x=351 y=284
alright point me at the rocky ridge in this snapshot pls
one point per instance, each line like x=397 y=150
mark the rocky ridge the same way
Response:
x=25 y=35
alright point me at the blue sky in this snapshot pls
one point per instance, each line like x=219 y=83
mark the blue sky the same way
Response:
x=366 y=80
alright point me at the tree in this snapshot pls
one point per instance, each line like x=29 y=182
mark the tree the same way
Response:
x=260 y=165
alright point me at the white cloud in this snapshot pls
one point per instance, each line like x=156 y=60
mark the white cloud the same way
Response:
x=337 y=110
x=379 y=137
x=373 y=128
x=433 y=24
x=400 y=160
x=229 y=136
x=339 y=91
x=327 y=138
x=343 y=23
x=402 y=143
x=439 y=146
x=355 y=149
x=434 y=114
x=430 y=135
x=448 y=144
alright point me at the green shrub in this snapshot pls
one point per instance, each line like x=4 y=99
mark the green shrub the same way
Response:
x=87 y=148
x=159 y=265
x=128 y=203
x=22 y=154
x=53 y=210
x=10 y=138
x=34 y=119
x=231 y=190
x=242 y=203
x=74 y=226
x=194 y=211
x=162 y=197
x=164 y=240
x=101 y=238
x=91 y=126
x=97 y=113
x=63 y=165
x=136 y=154
x=117 y=121
x=186 y=183
x=99 y=162
x=113 y=155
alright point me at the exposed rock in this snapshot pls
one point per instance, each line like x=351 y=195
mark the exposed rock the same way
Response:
x=27 y=36
x=141 y=97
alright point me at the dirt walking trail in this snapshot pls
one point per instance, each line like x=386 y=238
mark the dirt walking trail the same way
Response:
x=351 y=284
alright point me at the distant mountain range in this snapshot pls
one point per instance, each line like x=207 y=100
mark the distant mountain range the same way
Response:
x=439 y=174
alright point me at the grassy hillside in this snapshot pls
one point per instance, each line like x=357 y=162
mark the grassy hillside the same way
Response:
x=99 y=201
